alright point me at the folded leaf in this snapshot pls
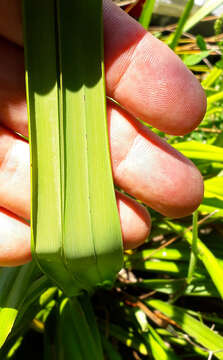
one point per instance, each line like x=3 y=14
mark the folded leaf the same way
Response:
x=76 y=233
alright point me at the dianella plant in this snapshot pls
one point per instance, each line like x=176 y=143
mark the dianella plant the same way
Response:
x=166 y=302
x=81 y=246
x=75 y=227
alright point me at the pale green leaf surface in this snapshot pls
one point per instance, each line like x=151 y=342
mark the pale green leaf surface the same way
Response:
x=214 y=186
x=195 y=59
x=212 y=76
x=95 y=240
x=210 y=205
x=158 y=352
x=196 y=151
x=207 y=8
x=74 y=218
x=214 y=98
x=167 y=253
x=44 y=130
x=7 y=319
x=213 y=196
x=171 y=267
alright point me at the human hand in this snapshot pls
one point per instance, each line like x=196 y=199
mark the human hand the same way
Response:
x=151 y=83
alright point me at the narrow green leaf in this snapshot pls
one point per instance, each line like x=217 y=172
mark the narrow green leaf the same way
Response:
x=215 y=186
x=159 y=349
x=95 y=240
x=213 y=196
x=194 y=328
x=146 y=13
x=173 y=286
x=194 y=249
x=196 y=151
x=7 y=279
x=15 y=347
x=68 y=345
x=195 y=59
x=199 y=68
x=219 y=139
x=14 y=285
x=44 y=133
x=212 y=111
x=211 y=77
x=7 y=319
x=89 y=347
x=212 y=205
x=179 y=253
x=87 y=308
x=207 y=8
x=31 y=296
x=211 y=263
x=71 y=171
x=159 y=266
x=177 y=338
x=181 y=23
x=214 y=98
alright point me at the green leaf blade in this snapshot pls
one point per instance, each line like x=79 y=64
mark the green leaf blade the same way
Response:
x=95 y=240
x=72 y=185
x=194 y=328
x=44 y=133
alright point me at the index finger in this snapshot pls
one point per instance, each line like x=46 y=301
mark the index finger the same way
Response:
x=142 y=73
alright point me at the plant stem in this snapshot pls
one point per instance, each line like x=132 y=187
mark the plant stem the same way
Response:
x=193 y=256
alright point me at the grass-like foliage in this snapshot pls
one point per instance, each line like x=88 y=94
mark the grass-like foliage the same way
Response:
x=166 y=303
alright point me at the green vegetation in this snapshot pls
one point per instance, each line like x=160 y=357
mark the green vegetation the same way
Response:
x=167 y=301
x=76 y=125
